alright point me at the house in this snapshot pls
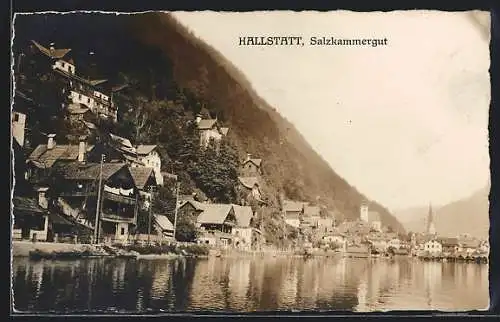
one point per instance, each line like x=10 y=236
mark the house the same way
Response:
x=374 y=220
x=190 y=208
x=245 y=236
x=335 y=238
x=90 y=93
x=326 y=225
x=209 y=130
x=251 y=167
x=55 y=57
x=311 y=216
x=292 y=212
x=42 y=159
x=145 y=180
x=379 y=243
x=433 y=247
x=394 y=243
x=449 y=245
x=31 y=217
x=484 y=247
x=164 y=227
x=149 y=156
x=18 y=126
x=470 y=246
x=249 y=189
x=119 y=196
x=61 y=228
x=216 y=223
x=116 y=148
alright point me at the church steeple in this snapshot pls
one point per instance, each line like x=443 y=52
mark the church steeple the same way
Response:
x=431 y=229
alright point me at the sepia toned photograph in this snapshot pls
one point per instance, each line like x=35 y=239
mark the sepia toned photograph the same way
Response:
x=242 y=162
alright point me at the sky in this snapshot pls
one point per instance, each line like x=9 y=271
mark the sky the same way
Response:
x=406 y=123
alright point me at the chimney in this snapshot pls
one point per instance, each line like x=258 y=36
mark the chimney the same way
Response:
x=82 y=148
x=42 y=197
x=198 y=118
x=51 y=143
x=249 y=156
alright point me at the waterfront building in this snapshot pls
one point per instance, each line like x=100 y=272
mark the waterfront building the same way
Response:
x=216 y=223
x=293 y=212
x=31 y=217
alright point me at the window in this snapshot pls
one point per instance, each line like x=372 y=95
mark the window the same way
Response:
x=88 y=100
x=63 y=64
x=79 y=96
x=70 y=69
x=123 y=231
x=16 y=117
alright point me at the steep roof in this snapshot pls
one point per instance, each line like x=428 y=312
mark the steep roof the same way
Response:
x=447 y=241
x=123 y=141
x=196 y=204
x=89 y=171
x=311 y=211
x=47 y=157
x=214 y=213
x=249 y=182
x=141 y=175
x=257 y=162
x=207 y=124
x=163 y=222
x=145 y=149
x=51 y=52
x=27 y=204
x=56 y=218
x=289 y=205
x=243 y=215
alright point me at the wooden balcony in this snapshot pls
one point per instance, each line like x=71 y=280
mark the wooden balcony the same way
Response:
x=119 y=198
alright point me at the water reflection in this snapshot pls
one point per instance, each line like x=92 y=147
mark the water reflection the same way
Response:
x=244 y=285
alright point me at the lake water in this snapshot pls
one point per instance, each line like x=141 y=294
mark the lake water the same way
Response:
x=247 y=285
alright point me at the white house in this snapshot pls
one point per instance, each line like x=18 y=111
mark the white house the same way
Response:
x=209 y=130
x=66 y=66
x=433 y=247
x=245 y=236
x=395 y=243
x=149 y=156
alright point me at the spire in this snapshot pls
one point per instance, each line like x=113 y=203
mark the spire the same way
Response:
x=430 y=221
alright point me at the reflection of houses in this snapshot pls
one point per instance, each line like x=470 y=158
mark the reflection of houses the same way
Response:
x=292 y=212
x=251 y=167
x=239 y=282
x=246 y=237
x=31 y=217
x=209 y=130
x=216 y=223
x=119 y=199
x=249 y=189
x=144 y=179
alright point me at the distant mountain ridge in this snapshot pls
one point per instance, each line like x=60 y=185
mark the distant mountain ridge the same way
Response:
x=468 y=215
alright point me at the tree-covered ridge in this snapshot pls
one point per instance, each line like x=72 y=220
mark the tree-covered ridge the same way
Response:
x=172 y=76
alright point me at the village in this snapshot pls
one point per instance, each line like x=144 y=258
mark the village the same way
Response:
x=83 y=192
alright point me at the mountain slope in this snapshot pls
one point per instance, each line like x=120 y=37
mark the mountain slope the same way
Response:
x=158 y=49
x=467 y=215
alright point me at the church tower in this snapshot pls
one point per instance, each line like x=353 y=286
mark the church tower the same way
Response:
x=363 y=212
x=431 y=229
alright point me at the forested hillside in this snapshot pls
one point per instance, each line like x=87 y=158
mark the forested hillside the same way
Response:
x=170 y=76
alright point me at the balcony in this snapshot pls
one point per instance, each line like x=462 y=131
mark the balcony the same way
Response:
x=77 y=193
x=117 y=219
x=119 y=198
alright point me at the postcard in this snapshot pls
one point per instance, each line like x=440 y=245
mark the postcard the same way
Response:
x=242 y=162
